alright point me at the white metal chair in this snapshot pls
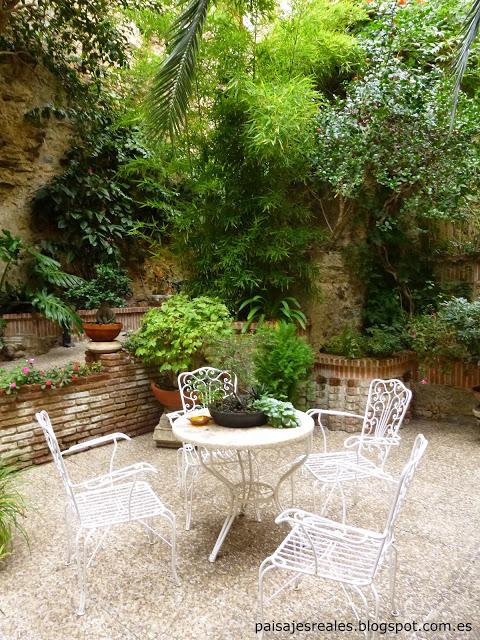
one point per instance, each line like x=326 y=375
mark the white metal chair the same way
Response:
x=349 y=556
x=387 y=404
x=196 y=389
x=96 y=505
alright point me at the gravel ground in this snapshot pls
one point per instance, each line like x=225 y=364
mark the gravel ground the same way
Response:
x=131 y=595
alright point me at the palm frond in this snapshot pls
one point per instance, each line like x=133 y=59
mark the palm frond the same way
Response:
x=469 y=31
x=55 y=309
x=171 y=85
x=50 y=270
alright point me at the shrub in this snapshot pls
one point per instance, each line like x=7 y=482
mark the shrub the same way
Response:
x=450 y=334
x=235 y=353
x=175 y=336
x=383 y=340
x=111 y=286
x=349 y=343
x=283 y=360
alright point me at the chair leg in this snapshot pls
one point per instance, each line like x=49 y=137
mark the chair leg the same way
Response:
x=296 y=584
x=393 y=579
x=171 y=518
x=264 y=568
x=81 y=553
x=68 y=533
x=149 y=528
x=181 y=467
x=190 y=477
x=375 y=610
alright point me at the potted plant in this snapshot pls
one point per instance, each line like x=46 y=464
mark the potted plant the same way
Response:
x=105 y=328
x=253 y=409
x=110 y=287
x=237 y=411
x=174 y=337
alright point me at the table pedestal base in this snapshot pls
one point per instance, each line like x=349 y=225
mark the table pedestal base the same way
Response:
x=249 y=490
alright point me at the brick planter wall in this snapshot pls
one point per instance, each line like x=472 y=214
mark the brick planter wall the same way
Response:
x=118 y=399
x=342 y=383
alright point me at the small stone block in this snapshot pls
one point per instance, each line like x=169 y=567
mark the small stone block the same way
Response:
x=163 y=435
x=104 y=347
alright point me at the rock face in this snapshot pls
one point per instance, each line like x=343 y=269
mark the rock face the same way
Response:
x=30 y=154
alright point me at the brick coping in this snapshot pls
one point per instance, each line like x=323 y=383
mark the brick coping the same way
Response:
x=361 y=363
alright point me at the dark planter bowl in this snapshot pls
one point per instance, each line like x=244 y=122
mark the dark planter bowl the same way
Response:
x=170 y=398
x=102 y=332
x=238 y=420
x=476 y=392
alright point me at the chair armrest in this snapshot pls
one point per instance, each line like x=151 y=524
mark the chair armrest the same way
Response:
x=320 y=524
x=334 y=412
x=111 y=437
x=371 y=441
x=115 y=476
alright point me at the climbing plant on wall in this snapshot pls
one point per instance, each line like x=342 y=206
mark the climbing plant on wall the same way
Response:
x=386 y=153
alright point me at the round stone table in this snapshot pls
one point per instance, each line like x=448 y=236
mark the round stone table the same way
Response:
x=246 y=488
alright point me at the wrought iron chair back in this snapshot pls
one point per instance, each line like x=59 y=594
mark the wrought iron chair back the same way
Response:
x=406 y=478
x=43 y=420
x=198 y=387
x=387 y=404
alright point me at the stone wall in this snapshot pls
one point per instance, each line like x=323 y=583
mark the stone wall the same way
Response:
x=29 y=154
x=445 y=391
x=339 y=301
x=118 y=399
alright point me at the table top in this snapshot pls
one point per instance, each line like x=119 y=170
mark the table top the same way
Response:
x=212 y=436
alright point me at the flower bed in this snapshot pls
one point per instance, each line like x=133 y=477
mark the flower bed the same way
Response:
x=27 y=377
x=116 y=399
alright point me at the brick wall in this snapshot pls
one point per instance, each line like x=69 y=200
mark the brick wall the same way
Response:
x=342 y=383
x=118 y=399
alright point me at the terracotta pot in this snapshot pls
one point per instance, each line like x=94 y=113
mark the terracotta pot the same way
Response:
x=102 y=332
x=170 y=398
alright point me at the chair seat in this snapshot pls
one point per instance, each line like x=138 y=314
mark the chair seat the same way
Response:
x=351 y=559
x=118 y=503
x=341 y=465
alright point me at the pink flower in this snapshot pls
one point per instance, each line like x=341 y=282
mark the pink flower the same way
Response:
x=423 y=381
x=25 y=371
x=48 y=383
x=13 y=385
x=31 y=361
